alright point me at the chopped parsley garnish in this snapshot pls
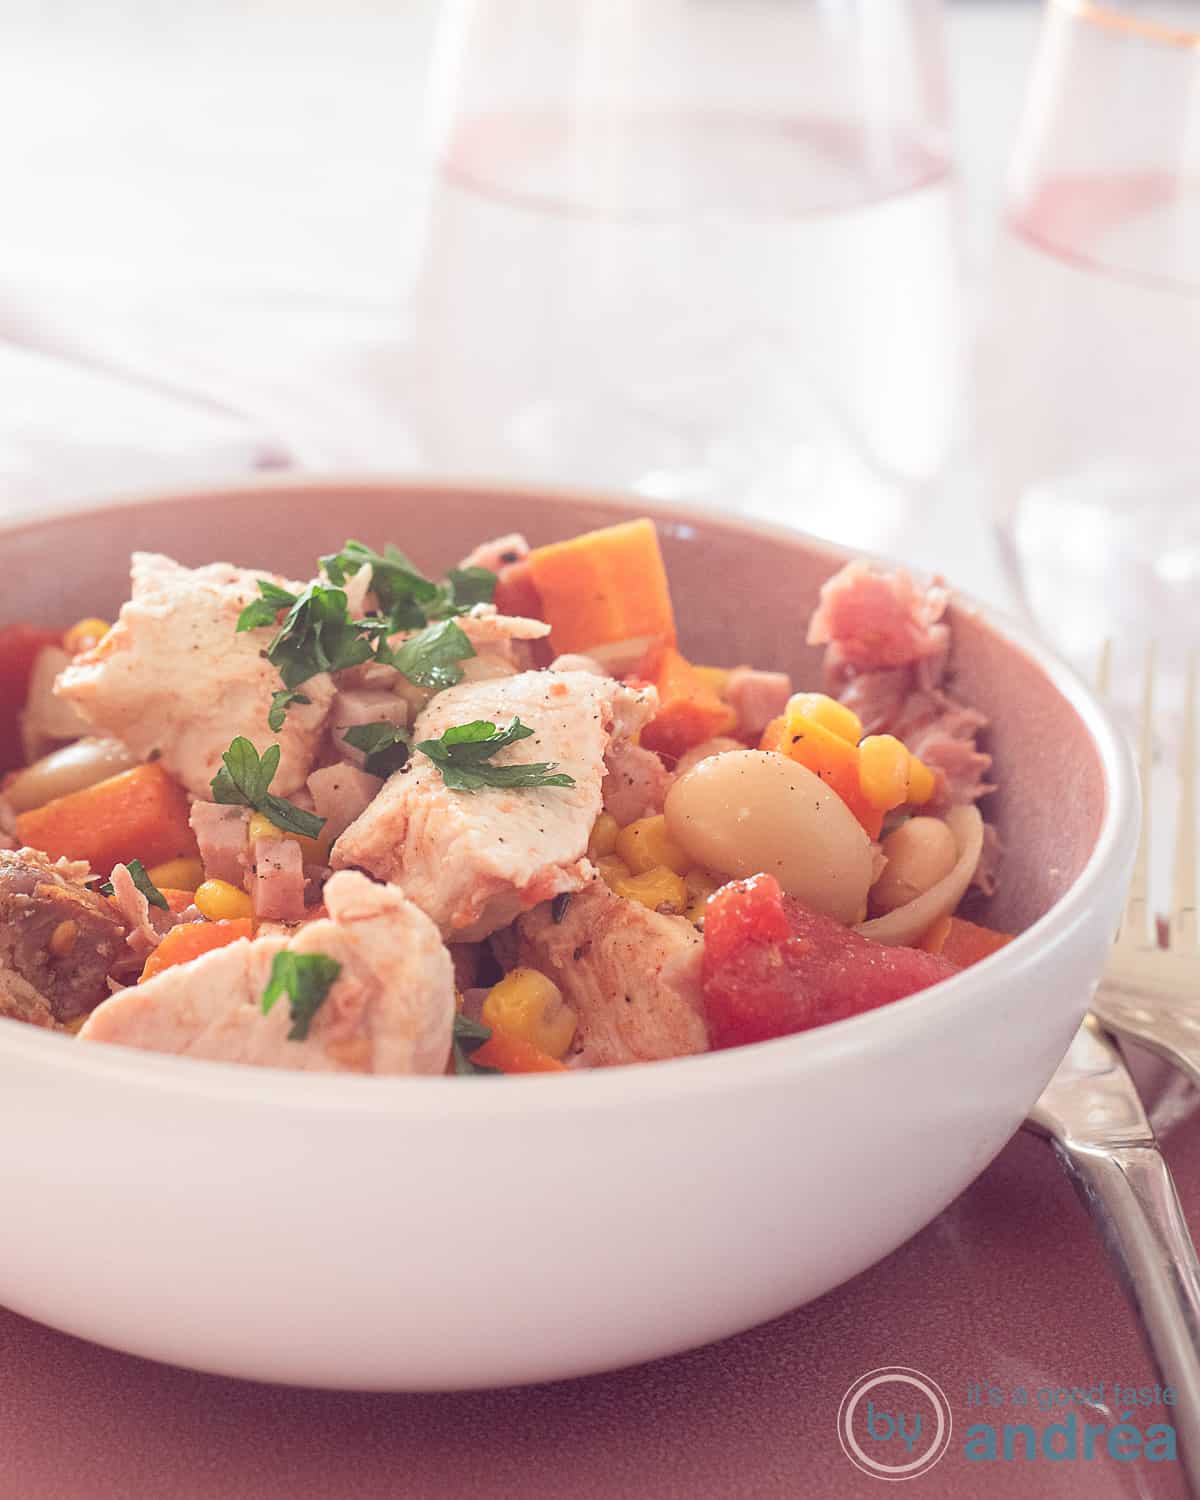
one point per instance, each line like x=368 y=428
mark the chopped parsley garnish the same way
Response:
x=469 y=1036
x=265 y=611
x=137 y=872
x=467 y=587
x=280 y=703
x=245 y=780
x=402 y=589
x=306 y=979
x=431 y=657
x=385 y=746
x=405 y=595
x=558 y=907
x=463 y=752
x=317 y=634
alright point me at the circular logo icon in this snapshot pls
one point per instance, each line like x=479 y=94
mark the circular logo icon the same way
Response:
x=894 y=1423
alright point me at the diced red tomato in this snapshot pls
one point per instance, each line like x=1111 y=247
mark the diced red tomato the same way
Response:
x=773 y=967
x=19 y=647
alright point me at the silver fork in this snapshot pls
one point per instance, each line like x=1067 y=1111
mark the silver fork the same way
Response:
x=1149 y=994
x=1092 y=1113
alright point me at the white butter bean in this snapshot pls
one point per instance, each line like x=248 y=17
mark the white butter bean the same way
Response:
x=919 y=853
x=751 y=811
x=71 y=769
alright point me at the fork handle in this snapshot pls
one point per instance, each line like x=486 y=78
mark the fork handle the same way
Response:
x=1131 y=1197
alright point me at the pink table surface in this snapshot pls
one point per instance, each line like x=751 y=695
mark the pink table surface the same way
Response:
x=1008 y=1286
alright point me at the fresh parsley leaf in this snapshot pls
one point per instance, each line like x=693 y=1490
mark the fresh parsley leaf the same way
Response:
x=463 y=754
x=406 y=596
x=469 y=1036
x=431 y=657
x=280 y=703
x=385 y=746
x=244 y=780
x=402 y=589
x=137 y=871
x=466 y=587
x=306 y=979
x=265 y=611
x=317 y=635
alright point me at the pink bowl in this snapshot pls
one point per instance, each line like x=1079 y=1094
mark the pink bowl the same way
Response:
x=434 y=1233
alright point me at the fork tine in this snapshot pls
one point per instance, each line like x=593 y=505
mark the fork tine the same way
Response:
x=1183 y=883
x=1134 y=923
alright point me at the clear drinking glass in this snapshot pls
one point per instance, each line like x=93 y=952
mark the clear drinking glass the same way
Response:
x=1089 y=370
x=699 y=249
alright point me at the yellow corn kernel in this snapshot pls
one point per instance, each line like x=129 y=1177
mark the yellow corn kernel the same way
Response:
x=312 y=851
x=603 y=839
x=62 y=939
x=659 y=889
x=700 y=885
x=83 y=635
x=646 y=844
x=177 y=875
x=526 y=1004
x=921 y=781
x=221 y=902
x=612 y=869
x=883 y=771
x=714 y=678
x=820 y=708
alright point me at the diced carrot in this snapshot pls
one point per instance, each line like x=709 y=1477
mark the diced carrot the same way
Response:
x=516 y=593
x=689 y=712
x=828 y=756
x=19 y=648
x=963 y=942
x=192 y=940
x=604 y=586
x=177 y=901
x=513 y=1054
x=140 y=814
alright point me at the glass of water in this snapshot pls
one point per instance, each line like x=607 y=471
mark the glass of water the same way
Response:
x=696 y=249
x=1090 y=367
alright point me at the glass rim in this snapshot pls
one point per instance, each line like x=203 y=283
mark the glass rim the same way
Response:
x=1109 y=18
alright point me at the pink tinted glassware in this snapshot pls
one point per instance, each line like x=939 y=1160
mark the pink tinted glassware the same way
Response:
x=1088 y=369
x=700 y=249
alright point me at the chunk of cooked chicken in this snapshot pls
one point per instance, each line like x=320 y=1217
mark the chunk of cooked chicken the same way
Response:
x=474 y=860
x=58 y=939
x=173 y=678
x=632 y=976
x=390 y=1010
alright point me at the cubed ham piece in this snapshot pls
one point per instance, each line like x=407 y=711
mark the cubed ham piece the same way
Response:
x=632 y=976
x=355 y=707
x=474 y=860
x=221 y=832
x=502 y=552
x=390 y=1009
x=635 y=782
x=886 y=658
x=277 y=886
x=175 y=680
x=340 y=794
x=757 y=698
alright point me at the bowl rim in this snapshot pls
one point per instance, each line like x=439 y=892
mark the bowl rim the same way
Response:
x=886 y=1028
